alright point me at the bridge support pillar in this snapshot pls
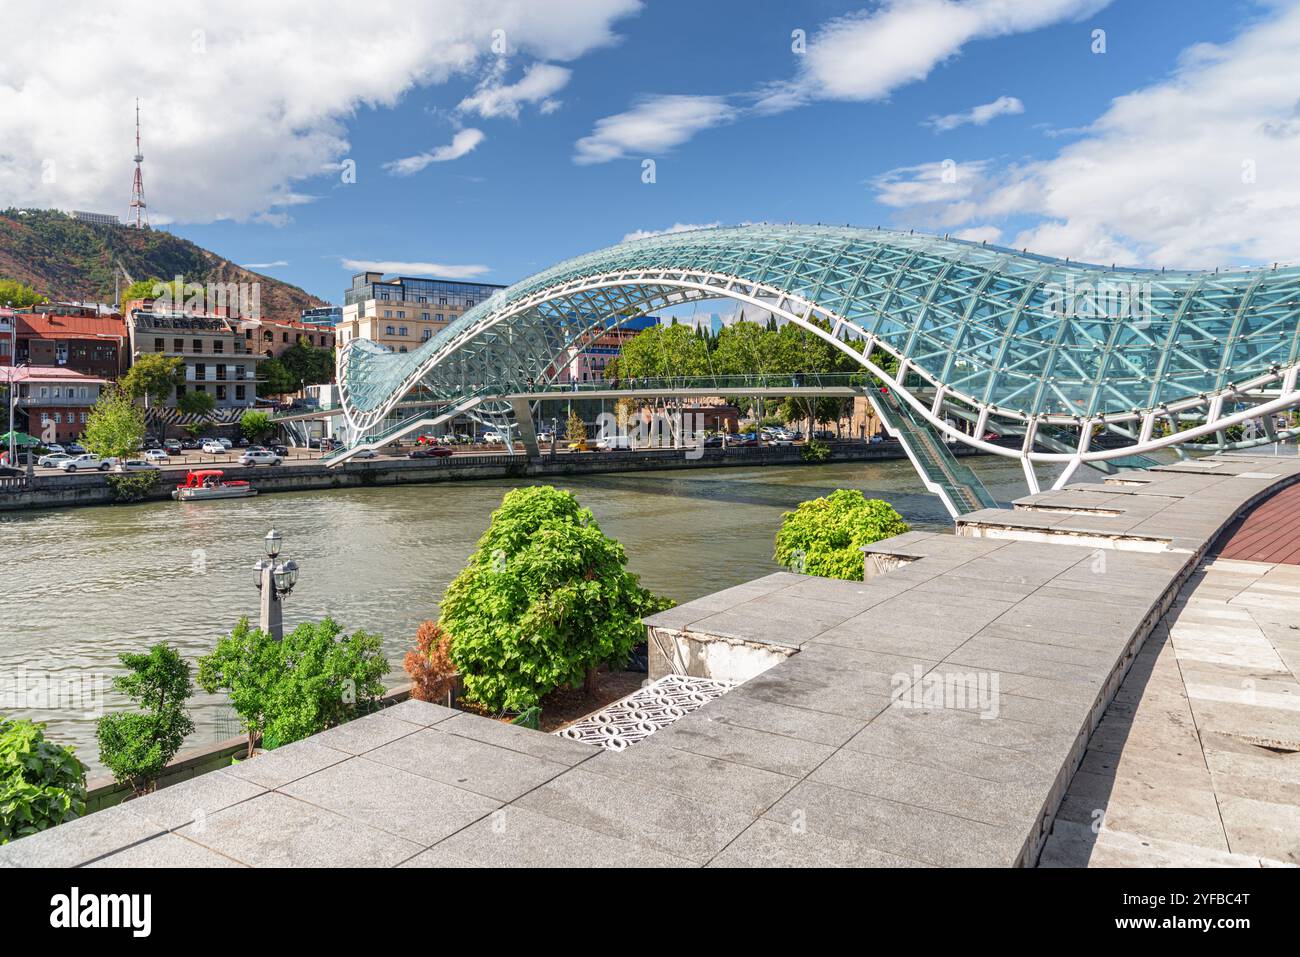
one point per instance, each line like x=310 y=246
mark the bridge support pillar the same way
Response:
x=524 y=417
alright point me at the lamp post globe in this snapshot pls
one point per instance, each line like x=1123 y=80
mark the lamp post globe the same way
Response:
x=273 y=541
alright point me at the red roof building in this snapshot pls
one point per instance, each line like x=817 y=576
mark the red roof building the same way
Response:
x=55 y=401
x=84 y=342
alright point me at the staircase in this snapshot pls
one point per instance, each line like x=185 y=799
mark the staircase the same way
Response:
x=956 y=484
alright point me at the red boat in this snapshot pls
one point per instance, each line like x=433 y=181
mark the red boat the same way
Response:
x=203 y=484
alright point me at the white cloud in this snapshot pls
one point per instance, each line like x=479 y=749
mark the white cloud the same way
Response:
x=1196 y=170
x=274 y=265
x=463 y=142
x=653 y=126
x=396 y=267
x=862 y=56
x=979 y=115
x=674 y=228
x=979 y=234
x=241 y=99
x=539 y=84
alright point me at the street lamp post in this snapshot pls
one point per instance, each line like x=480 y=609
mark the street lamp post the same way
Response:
x=275 y=580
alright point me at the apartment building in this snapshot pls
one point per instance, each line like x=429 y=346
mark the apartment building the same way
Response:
x=218 y=359
x=52 y=403
x=78 y=338
x=272 y=338
x=403 y=313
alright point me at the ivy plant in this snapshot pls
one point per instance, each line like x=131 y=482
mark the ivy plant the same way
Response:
x=824 y=536
x=137 y=745
x=41 y=783
x=544 y=600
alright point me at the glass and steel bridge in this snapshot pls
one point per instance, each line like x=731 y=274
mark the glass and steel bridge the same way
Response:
x=988 y=341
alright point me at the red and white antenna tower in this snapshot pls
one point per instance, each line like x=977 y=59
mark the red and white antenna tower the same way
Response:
x=137 y=187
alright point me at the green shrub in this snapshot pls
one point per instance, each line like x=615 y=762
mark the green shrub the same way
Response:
x=816 y=451
x=824 y=536
x=315 y=678
x=544 y=600
x=136 y=745
x=41 y=783
x=132 y=486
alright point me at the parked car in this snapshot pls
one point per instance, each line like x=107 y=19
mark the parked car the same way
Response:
x=256 y=455
x=614 y=443
x=280 y=450
x=713 y=442
x=543 y=438
x=157 y=456
x=366 y=454
x=52 y=459
x=55 y=449
x=136 y=465
x=173 y=447
x=491 y=437
x=429 y=452
x=586 y=445
x=226 y=444
x=189 y=444
x=213 y=447
x=150 y=442
x=75 y=448
x=87 y=462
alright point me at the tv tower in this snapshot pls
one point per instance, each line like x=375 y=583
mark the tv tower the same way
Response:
x=137 y=188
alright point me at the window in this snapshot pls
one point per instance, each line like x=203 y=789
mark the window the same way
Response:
x=284 y=337
x=425 y=334
x=178 y=345
x=468 y=303
x=221 y=372
x=158 y=346
x=239 y=393
x=388 y=313
x=221 y=393
x=198 y=345
x=424 y=316
x=402 y=331
x=442 y=300
x=180 y=389
x=438 y=317
x=403 y=349
x=401 y=313
x=200 y=372
x=84 y=418
x=218 y=346
x=389 y=331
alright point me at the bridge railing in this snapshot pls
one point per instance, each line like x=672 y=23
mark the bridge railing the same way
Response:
x=722 y=384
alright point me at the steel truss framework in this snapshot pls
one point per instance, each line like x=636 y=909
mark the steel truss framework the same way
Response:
x=1052 y=350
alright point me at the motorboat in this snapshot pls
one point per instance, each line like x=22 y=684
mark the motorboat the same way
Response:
x=200 y=485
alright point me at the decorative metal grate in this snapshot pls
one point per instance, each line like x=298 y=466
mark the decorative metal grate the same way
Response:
x=641 y=714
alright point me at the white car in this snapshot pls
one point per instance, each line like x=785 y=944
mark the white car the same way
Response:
x=227 y=444
x=366 y=454
x=614 y=443
x=213 y=447
x=136 y=465
x=55 y=449
x=158 y=456
x=492 y=437
x=259 y=456
x=52 y=459
x=88 y=461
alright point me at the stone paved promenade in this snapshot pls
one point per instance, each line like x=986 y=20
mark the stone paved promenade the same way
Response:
x=934 y=714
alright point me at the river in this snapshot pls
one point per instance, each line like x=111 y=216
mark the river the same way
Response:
x=83 y=585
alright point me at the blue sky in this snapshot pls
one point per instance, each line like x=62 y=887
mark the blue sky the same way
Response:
x=520 y=199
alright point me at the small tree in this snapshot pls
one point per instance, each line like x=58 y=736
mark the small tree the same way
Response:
x=544 y=600
x=429 y=663
x=256 y=425
x=246 y=664
x=824 y=536
x=197 y=403
x=575 y=428
x=315 y=678
x=152 y=377
x=41 y=783
x=137 y=745
x=115 y=426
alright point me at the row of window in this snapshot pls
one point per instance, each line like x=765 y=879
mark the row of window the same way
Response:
x=241 y=392
x=57 y=418
x=63 y=392
x=424 y=316
x=222 y=372
x=178 y=345
x=402 y=331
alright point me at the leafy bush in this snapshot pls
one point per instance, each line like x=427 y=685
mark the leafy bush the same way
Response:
x=815 y=451
x=132 y=486
x=824 y=536
x=41 y=783
x=544 y=600
x=429 y=663
x=315 y=678
x=136 y=745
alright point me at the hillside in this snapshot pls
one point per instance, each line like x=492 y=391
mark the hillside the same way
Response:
x=66 y=259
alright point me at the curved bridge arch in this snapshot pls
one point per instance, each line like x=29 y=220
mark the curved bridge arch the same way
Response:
x=983 y=335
